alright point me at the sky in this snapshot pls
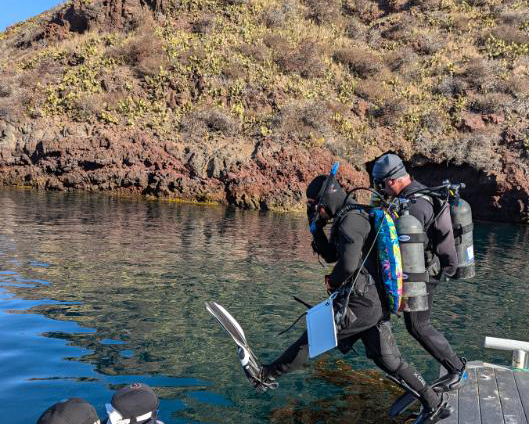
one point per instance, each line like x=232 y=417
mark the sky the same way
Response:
x=13 y=11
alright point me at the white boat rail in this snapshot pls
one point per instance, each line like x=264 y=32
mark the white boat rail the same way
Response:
x=520 y=350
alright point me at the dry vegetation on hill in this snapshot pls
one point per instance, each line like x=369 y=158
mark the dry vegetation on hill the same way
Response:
x=443 y=79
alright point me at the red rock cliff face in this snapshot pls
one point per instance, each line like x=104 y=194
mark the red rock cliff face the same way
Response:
x=260 y=175
x=254 y=174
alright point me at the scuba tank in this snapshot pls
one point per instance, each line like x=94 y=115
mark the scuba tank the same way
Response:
x=414 y=274
x=462 y=225
x=461 y=215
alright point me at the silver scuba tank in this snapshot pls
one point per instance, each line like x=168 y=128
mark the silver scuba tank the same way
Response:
x=414 y=274
x=461 y=215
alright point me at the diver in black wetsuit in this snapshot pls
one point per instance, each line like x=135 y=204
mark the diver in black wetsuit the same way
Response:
x=350 y=238
x=389 y=174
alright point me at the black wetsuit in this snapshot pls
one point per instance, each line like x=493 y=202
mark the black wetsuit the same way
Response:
x=351 y=237
x=440 y=260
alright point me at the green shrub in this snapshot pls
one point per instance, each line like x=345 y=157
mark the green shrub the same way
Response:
x=355 y=29
x=480 y=73
x=372 y=90
x=306 y=122
x=510 y=34
x=390 y=111
x=490 y=103
x=5 y=90
x=323 y=12
x=199 y=123
x=451 y=86
x=359 y=61
x=257 y=52
x=366 y=11
x=304 y=59
x=143 y=53
x=397 y=60
x=204 y=25
x=277 y=16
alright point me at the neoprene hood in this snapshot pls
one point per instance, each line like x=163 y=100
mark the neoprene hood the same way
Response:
x=388 y=166
x=333 y=195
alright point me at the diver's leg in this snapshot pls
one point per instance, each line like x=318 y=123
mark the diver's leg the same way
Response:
x=294 y=358
x=382 y=348
x=420 y=327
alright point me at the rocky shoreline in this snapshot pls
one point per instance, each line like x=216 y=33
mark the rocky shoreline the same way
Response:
x=258 y=175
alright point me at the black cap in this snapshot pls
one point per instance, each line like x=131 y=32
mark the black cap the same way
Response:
x=71 y=411
x=135 y=401
x=388 y=166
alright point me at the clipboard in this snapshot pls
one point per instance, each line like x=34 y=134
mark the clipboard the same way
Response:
x=321 y=327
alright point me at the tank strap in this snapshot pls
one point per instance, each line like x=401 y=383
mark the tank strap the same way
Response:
x=459 y=230
x=413 y=238
x=412 y=277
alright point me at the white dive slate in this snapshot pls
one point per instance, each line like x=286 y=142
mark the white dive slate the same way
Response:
x=321 y=328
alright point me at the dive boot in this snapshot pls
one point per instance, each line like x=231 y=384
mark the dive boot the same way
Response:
x=254 y=370
x=445 y=383
x=452 y=380
x=443 y=410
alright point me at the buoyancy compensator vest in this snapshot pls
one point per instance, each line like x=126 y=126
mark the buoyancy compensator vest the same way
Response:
x=388 y=251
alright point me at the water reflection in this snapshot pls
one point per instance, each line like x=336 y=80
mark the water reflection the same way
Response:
x=97 y=289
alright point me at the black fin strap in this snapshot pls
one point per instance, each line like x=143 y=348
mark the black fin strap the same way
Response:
x=400 y=382
x=292 y=325
x=297 y=299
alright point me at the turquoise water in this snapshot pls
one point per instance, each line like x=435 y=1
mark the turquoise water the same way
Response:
x=97 y=292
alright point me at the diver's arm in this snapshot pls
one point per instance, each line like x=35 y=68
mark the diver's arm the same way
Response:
x=351 y=236
x=322 y=246
x=444 y=243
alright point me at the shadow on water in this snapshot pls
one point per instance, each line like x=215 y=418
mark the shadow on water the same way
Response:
x=96 y=292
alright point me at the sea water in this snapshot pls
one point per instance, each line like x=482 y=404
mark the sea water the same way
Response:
x=97 y=292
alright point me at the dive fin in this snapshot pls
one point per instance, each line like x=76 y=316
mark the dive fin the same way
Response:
x=229 y=323
x=252 y=368
x=407 y=399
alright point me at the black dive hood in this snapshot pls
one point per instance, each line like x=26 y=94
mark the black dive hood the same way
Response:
x=330 y=196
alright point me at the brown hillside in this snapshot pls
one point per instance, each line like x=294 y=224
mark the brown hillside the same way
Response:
x=243 y=101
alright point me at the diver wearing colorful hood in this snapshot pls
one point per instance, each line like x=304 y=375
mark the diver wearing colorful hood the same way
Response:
x=389 y=175
x=366 y=318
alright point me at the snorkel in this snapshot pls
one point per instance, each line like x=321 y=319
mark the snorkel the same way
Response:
x=332 y=175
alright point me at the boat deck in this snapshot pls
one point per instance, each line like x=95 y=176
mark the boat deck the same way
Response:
x=493 y=395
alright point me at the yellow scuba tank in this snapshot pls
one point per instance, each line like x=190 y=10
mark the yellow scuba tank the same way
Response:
x=412 y=239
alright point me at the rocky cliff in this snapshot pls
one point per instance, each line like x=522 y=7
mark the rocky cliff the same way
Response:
x=244 y=101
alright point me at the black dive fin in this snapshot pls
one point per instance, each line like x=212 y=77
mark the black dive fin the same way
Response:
x=407 y=399
x=229 y=323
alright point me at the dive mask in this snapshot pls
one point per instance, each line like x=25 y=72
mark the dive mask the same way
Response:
x=318 y=202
